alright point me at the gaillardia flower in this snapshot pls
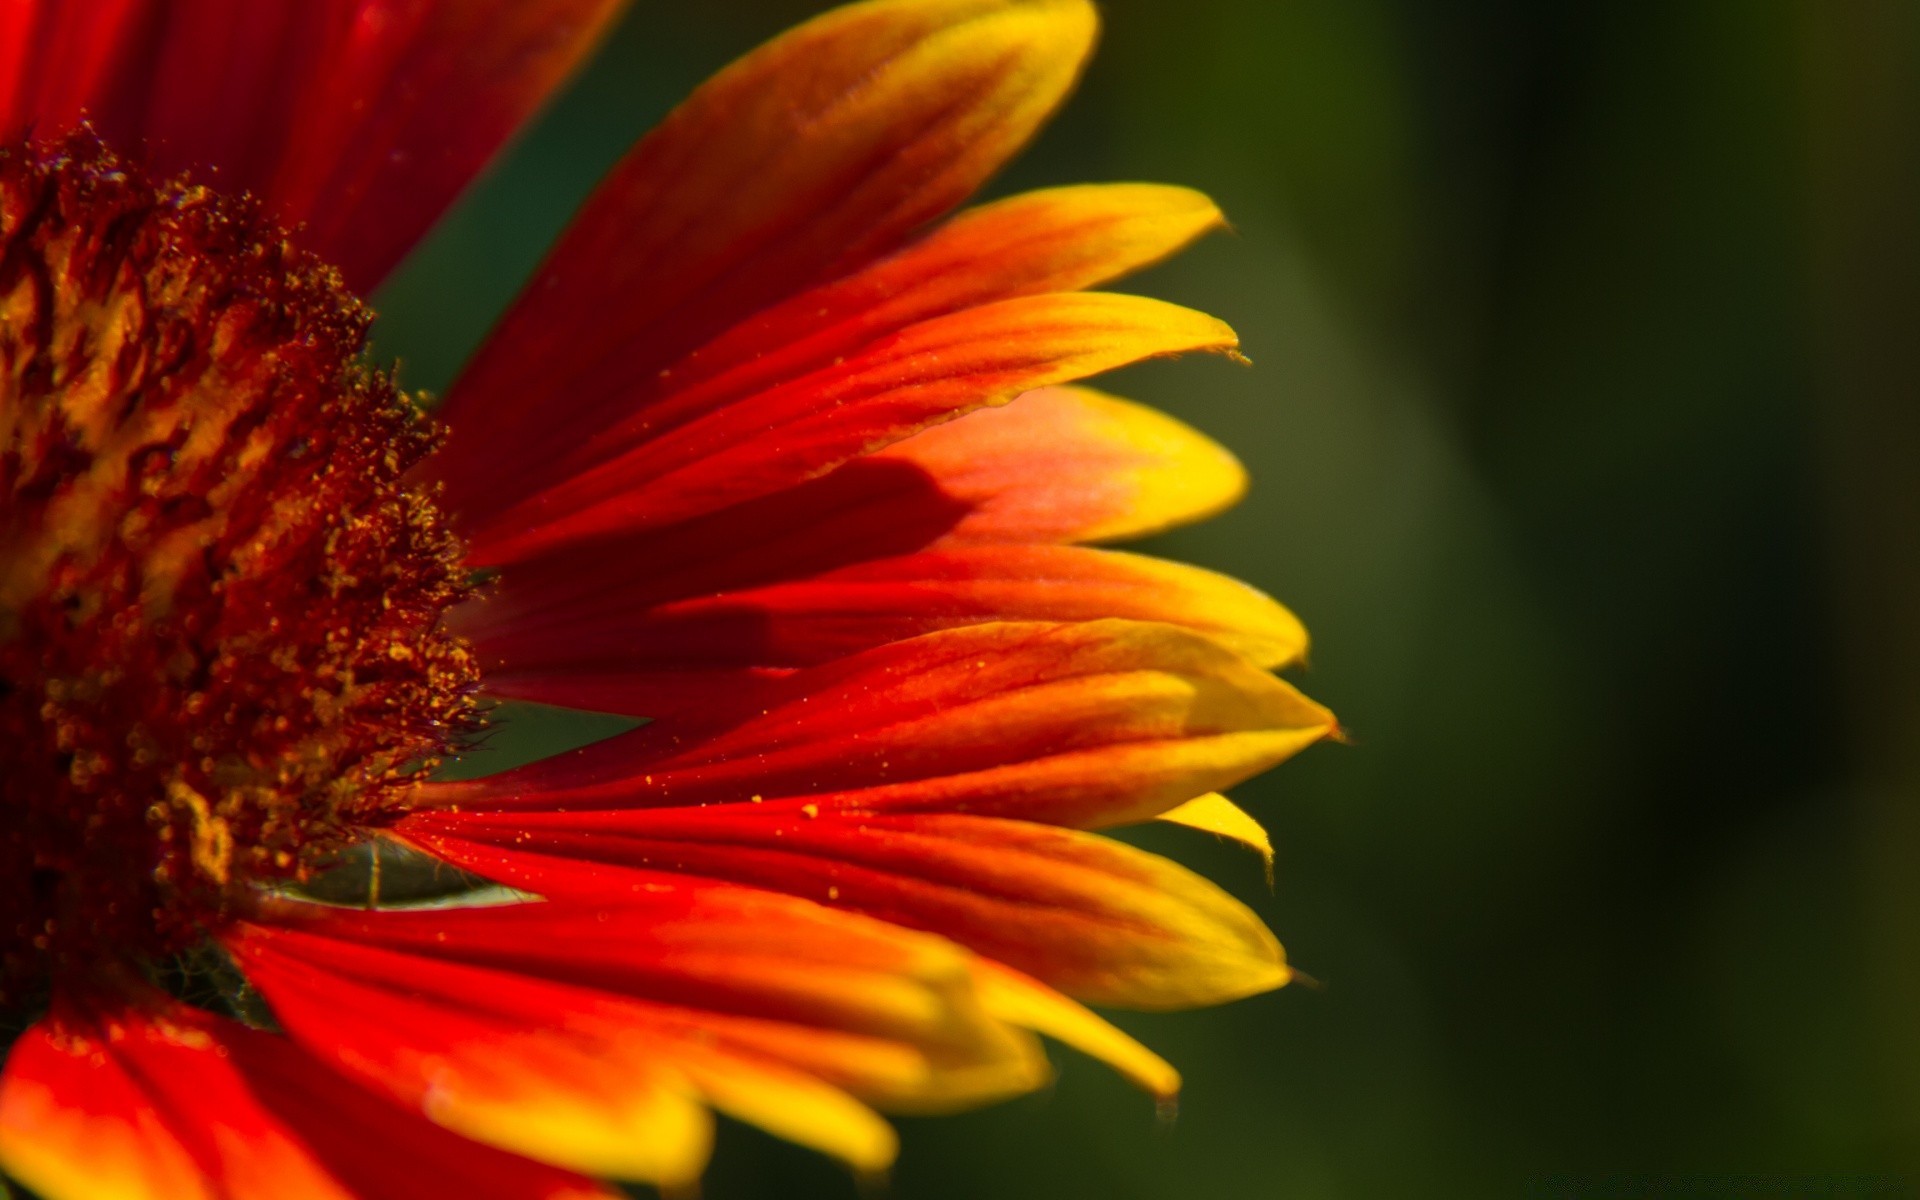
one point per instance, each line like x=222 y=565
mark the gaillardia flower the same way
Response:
x=772 y=453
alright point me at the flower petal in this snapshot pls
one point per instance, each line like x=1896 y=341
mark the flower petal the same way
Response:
x=1058 y=240
x=792 y=1105
x=803 y=427
x=558 y=1072
x=1215 y=814
x=806 y=159
x=1025 y=1001
x=75 y=1124
x=1098 y=920
x=1071 y=465
x=163 y=1102
x=595 y=647
x=361 y=119
x=1093 y=724
x=706 y=988
x=532 y=1088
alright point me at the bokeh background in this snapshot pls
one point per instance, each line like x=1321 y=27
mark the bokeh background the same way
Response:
x=1584 y=429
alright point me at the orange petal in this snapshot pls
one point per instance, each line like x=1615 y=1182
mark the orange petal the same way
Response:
x=690 y=989
x=775 y=1073
x=593 y=644
x=165 y=1102
x=925 y=374
x=1072 y=465
x=1058 y=240
x=706 y=951
x=533 y=1087
x=360 y=120
x=560 y=1073
x=1092 y=724
x=75 y=1124
x=1101 y=921
x=808 y=158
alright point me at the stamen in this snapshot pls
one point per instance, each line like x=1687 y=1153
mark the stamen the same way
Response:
x=222 y=654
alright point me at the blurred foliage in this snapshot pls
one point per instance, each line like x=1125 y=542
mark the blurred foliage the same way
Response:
x=1583 y=425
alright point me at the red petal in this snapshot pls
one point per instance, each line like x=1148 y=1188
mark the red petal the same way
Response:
x=1098 y=920
x=478 y=1057
x=362 y=119
x=170 y=1103
x=811 y=156
x=698 y=946
x=804 y=427
x=664 y=987
x=1094 y=724
x=76 y=1122
x=570 y=960
x=1059 y=240
x=588 y=643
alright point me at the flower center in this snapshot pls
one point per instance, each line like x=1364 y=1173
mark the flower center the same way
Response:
x=222 y=655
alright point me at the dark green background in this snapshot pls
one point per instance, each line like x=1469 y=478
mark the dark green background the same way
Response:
x=1584 y=432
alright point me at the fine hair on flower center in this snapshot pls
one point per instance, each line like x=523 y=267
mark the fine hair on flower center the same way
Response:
x=222 y=646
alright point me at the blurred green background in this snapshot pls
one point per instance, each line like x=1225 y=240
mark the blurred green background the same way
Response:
x=1584 y=430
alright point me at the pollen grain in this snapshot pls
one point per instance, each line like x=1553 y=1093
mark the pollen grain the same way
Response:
x=222 y=647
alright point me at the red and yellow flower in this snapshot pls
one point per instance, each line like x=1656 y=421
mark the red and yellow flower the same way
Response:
x=772 y=451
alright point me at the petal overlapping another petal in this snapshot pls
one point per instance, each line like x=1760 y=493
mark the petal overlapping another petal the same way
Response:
x=1025 y=1001
x=1096 y=919
x=359 y=119
x=162 y=1102
x=1070 y=464
x=537 y=1088
x=797 y=165
x=907 y=782
x=803 y=427
x=600 y=649
x=1086 y=724
x=1058 y=240
x=766 y=453
x=954 y=525
x=591 y=1035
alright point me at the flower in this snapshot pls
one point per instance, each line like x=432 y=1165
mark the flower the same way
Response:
x=772 y=452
